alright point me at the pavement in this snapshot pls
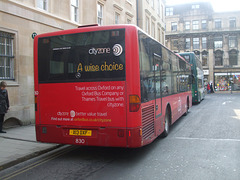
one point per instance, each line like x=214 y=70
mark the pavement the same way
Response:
x=19 y=144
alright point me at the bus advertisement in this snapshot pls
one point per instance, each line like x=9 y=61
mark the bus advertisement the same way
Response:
x=107 y=86
x=198 y=92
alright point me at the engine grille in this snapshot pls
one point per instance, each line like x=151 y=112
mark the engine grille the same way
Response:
x=148 y=121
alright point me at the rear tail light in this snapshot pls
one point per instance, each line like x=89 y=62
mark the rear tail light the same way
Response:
x=134 y=103
x=35 y=103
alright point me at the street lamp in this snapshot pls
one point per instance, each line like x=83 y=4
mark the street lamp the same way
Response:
x=231 y=81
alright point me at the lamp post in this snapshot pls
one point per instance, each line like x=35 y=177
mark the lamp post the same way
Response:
x=231 y=81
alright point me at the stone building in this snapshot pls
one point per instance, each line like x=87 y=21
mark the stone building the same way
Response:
x=21 y=20
x=214 y=37
x=151 y=18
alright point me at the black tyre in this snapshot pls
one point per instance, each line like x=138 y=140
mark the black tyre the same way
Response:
x=166 y=124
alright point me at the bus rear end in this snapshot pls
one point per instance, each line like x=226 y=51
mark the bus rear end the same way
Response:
x=80 y=87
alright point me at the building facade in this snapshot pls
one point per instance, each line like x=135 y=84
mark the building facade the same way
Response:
x=21 y=20
x=213 y=37
x=151 y=18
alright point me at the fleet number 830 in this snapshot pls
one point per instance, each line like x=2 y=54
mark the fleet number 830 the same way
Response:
x=79 y=141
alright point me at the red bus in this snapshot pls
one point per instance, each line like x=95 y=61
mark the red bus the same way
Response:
x=107 y=86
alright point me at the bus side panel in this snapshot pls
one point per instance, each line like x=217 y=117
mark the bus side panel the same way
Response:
x=133 y=86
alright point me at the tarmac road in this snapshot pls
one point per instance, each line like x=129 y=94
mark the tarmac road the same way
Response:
x=205 y=144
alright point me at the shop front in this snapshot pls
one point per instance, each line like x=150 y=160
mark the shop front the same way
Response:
x=227 y=81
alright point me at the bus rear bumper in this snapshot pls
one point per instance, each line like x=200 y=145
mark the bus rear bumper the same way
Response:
x=98 y=136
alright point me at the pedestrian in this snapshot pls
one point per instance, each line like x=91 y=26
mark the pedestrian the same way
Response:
x=211 y=87
x=208 y=88
x=4 y=103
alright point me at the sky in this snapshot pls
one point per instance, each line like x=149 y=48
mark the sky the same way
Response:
x=218 y=5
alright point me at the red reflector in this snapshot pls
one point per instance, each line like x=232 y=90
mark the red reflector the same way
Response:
x=120 y=133
x=35 y=103
x=129 y=133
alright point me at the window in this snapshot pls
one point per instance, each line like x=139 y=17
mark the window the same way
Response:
x=74 y=10
x=195 y=6
x=162 y=13
x=61 y=63
x=232 y=41
x=204 y=24
x=169 y=11
x=232 y=22
x=187 y=25
x=175 y=44
x=187 y=43
x=174 y=26
x=163 y=35
x=218 y=24
x=196 y=43
x=6 y=56
x=159 y=35
x=153 y=29
x=158 y=7
x=117 y=16
x=204 y=58
x=152 y=4
x=100 y=14
x=218 y=58
x=42 y=4
x=204 y=43
x=147 y=25
x=195 y=25
x=197 y=53
x=218 y=42
x=233 y=57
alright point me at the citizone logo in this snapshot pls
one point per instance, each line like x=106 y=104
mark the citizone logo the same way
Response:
x=117 y=50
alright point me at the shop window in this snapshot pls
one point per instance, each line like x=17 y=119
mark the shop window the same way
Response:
x=222 y=81
x=218 y=58
x=233 y=57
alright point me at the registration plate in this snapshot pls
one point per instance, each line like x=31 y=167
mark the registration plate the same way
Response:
x=76 y=132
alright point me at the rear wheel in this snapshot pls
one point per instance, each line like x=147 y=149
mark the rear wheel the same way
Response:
x=166 y=124
x=187 y=109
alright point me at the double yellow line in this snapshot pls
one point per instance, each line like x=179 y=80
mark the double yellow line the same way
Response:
x=37 y=163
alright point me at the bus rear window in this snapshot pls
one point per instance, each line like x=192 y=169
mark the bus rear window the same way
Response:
x=82 y=57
